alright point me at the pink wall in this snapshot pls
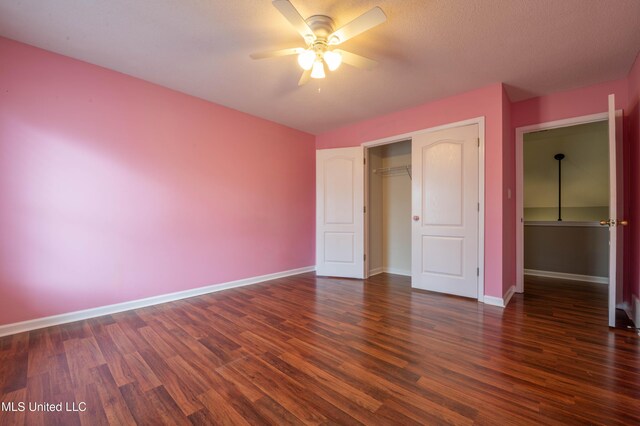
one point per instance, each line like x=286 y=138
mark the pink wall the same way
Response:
x=572 y=103
x=114 y=189
x=632 y=117
x=94 y=163
x=487 y=102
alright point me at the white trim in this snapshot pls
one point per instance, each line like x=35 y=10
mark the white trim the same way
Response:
x=501 y=302
x=480 y=121
x=383 y=270
x=493 y=301
x=509 y=294
x=615 y=246
x=520 y=132
x=396 y=271
x=407 y=136
x=626 y=308
x=376 y=271
x=636 y=311
x=566 y=276
x=365 y=201
x=481 y=222
x=19 y=327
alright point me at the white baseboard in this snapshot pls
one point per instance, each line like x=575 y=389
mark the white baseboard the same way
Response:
x=395 y=271
x=500 y=301
x=626 y=308
x=509 y=294
x=376 y=271
x=631 y=309
x=19 y=327
x=565 y=276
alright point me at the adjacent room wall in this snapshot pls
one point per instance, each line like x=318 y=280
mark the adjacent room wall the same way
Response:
x=580 y=250
x=585 y=173
x=552 y=246
x=568 y=104
x=114 y=189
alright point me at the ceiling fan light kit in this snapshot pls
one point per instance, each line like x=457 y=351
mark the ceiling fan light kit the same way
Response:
x=318 y=70
x=333 y=59
x=306 y=59
x=320 y=38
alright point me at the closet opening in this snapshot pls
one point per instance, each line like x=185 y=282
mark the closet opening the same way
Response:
x=389 y=209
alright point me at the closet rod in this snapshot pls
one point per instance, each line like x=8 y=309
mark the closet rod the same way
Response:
x=405 y=168
x=398 y=169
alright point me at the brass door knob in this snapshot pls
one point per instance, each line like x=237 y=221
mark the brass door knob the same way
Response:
x=607 y=222
x=623 y=222
x=416 y=218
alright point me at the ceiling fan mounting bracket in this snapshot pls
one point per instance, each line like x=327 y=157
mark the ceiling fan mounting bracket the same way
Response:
x=321 y=25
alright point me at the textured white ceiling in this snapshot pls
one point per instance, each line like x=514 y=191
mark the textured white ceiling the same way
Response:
x=427 y=49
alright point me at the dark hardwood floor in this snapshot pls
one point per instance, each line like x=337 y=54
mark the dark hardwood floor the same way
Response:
x=319 y=351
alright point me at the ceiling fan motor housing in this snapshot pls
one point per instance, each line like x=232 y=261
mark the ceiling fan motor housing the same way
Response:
x=321 y=26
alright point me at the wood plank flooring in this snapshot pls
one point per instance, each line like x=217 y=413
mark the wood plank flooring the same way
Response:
x=307 y=350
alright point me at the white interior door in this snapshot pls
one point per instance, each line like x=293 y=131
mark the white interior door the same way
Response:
x=340 y=212
x=445 y=211
x=616 y=210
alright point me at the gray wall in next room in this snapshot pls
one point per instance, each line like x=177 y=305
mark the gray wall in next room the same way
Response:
x=567 y=249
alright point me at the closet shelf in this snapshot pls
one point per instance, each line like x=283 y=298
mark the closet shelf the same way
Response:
x=386 y=171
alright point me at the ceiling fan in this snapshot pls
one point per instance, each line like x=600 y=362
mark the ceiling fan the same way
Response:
x=321 y=38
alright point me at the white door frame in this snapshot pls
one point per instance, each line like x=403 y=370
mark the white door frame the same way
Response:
x=408 y=136
x=520 y=132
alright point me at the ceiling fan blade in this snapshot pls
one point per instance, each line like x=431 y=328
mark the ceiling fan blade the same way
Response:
x=276 y=53
x=359 y=25
x=304 y=79
x=356 y=60
x=293 y=16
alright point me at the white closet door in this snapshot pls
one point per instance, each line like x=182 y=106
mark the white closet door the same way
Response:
x=445 y=211
x=339 y=212
x=616 y=222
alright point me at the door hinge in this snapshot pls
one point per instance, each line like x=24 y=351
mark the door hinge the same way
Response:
x=364 y=257
x=364 y=160
x=478 y=206
x=364 y=209
x=478 y=142
x=477 y=272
